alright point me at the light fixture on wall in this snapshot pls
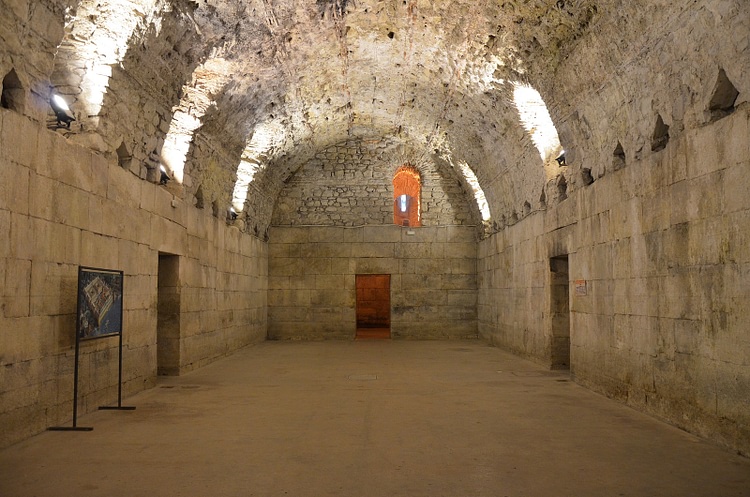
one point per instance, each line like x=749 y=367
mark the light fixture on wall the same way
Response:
x=561 y=159
x=164 y=178
x=232 y=214
x=63 y=114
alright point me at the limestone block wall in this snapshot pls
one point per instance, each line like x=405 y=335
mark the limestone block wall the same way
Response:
x=662 y=245
x=312 y=273
x=62 y=206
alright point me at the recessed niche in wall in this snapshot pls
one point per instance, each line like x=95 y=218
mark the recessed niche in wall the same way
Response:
x=12 y=97
x=543 y=199
x=618 y=157
x=660 y=137
x=562 y=188
x=526 y=208
x=124 y=158
x=586 y=176
x=724 y=96
x=199 y=197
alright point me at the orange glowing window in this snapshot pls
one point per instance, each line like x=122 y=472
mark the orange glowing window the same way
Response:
x=407 y=186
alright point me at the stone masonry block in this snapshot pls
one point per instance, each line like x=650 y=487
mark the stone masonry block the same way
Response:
x=167 y=236
x=23 y=133
x=331 y=298
x=375 y=265
x=460 y=282
x=739 y=237
x=461 y=266
x=338 y=250
x=16 y=288
x=53 y=288
x=4 y=228
x=736 y=184
x=353 y=235
x=287 y=235
x=381 y=234
x=422 y=235
x=330 y=281
x=342 y=266
x=123 y=187
x=98 y=250
x=99 y=174
x=316 y=266
x=415 y=281
x=460 y=250
x=285 y=266
x=72 y=166
x=414 y=250
x=329 y=234
x=736 y=146
x=14 y=187
x=364 y=250
x=705 y=154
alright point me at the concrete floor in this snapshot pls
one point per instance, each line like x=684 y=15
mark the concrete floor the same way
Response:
x=371 y=418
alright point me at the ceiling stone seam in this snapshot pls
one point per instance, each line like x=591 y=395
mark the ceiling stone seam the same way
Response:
x=340 y=29
x=407 y=59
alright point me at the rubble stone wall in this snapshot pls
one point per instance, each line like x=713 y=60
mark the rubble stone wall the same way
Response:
x=351 y=184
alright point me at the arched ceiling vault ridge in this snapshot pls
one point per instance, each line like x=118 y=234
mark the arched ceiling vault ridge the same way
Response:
x=458 y=66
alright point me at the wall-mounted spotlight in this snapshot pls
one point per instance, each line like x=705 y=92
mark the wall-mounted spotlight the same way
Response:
x=232 y=214
x=164 y=179
x=63 y=114
x=561 y=159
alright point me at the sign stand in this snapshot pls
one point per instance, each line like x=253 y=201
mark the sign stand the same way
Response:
x=98 y=315
x=75 y=426
x=119 y=406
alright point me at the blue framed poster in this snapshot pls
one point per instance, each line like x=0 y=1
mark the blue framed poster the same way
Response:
x=99 y=302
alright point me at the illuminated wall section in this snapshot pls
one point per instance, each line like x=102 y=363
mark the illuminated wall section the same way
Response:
x=535 y=118
x=97 y=38
x=207 y=81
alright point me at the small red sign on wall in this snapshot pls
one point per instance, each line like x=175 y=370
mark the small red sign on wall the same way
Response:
x=581 y=289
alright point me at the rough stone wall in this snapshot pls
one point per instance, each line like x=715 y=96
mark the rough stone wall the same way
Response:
x=141 y=91
x=30 y=51
x=640 y=62
x=312 y=280
x=663 y=247
x=211 y=170
x=350 y=184
x=62 y=206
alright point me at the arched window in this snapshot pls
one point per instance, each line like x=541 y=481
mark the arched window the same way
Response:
x=407 y=187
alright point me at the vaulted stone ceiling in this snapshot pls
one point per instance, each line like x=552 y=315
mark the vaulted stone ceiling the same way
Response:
x=218 y=89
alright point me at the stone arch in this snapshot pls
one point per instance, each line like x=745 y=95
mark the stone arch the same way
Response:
x=407 y=196
x=536 y=120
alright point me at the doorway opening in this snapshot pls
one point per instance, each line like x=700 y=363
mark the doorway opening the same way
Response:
x=373 y=305
x=168 y=316
x=560 y=312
